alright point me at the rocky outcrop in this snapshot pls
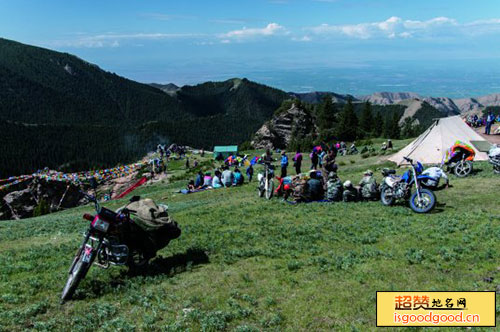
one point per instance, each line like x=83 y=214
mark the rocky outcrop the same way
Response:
x=317 y=97
x=443 y=104
x=21 y=203
x=170 y=88
x=294 y=123
x=389 y=98
x=468 y=105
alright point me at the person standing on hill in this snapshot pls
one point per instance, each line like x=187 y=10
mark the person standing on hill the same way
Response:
x=250 y=172
x=329 y=166
x=314 y=159
x=187 y=162
x=297 y=161
x=284 y=164
x=489 y=121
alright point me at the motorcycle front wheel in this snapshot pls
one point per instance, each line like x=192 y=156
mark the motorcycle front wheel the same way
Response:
x=76 y=274
x=426 y=202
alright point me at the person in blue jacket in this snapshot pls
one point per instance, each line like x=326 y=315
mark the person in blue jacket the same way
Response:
x=284 y=164
x=237 y=177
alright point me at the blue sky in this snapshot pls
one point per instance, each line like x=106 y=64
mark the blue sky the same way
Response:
x=268 y=40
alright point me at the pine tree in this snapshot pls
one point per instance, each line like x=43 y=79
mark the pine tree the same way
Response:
x=366 y=120
x=394 y=130
x=347 y=128
x=408 y=129
x=326 y=118
x=378 y=125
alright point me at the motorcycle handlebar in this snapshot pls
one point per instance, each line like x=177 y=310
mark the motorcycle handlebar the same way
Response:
x=408 y=160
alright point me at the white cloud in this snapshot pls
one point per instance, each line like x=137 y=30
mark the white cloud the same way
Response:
x=114 y=40
x=393 y=27
x=245 y=33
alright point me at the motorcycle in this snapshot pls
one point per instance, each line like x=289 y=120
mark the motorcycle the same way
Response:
x=394 y=187
x=494 y=158
x=112 y=238
x=459 y=158
x=266 y=184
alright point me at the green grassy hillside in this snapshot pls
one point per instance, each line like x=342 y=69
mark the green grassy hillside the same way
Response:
x=247 y=264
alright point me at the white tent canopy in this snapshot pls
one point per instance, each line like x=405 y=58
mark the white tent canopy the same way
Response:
x=431 y=146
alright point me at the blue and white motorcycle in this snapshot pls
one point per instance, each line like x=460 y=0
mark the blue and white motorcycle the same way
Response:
x=395 y=187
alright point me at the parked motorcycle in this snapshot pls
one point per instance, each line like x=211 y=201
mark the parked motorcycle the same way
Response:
x=112 y=238
x=400 y=187
x=494 y=158
x=459 y=158
x=266 y=184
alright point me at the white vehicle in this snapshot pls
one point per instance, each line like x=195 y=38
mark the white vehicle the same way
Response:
x=494 y=158
x=266 y=184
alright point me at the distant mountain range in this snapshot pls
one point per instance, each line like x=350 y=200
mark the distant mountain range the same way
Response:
x=444 y=104
x=60 y=111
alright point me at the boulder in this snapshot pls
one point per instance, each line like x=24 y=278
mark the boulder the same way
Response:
x=278 y=132
x=19 y=204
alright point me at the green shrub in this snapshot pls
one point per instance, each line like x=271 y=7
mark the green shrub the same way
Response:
x=41 y=209
x=365 y=155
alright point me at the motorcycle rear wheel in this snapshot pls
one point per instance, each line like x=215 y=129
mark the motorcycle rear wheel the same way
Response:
x=427 y=202
x=386 y=196
x=462 y=168
x=137 y=260
x=270 y=189
x=76 y=274
x=261 y=188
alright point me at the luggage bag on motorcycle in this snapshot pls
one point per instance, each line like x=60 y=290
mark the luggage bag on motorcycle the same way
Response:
x=155 y=221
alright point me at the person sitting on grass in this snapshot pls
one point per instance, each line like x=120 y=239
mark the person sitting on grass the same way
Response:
x=350 y=193
x=237 y=177
x=217 y=181
x=198 y=182
x=191 y=186
x=227 y=177
x=334 y=188
x=368 y=186
x=314 y=189
x=207 y=180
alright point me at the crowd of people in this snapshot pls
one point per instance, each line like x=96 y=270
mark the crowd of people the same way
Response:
x=320 y=183
x=222 y=177
x=485 y=121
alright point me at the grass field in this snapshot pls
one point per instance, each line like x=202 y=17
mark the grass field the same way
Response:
x=247 y=264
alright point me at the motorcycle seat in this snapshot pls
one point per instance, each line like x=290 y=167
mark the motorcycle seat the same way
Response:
x=388 y=171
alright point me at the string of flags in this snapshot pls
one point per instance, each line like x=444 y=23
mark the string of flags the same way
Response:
x=77 y=178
